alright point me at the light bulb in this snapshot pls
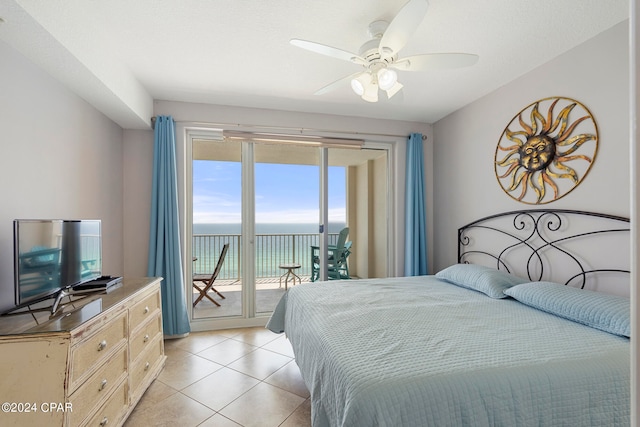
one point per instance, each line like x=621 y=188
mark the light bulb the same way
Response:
x=359 y=84
x=357 y=87
x=387 y=78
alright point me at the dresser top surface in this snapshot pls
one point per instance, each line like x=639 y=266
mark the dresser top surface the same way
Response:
x=75 y=312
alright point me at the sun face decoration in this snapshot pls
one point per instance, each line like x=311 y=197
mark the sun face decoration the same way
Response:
x=542 y=154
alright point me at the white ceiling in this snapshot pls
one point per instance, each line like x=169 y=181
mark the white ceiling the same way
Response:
x=120 y=55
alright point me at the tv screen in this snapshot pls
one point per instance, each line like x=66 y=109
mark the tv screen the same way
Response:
x=51 y=255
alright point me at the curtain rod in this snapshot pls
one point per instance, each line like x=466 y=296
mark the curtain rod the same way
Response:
x=301 y=130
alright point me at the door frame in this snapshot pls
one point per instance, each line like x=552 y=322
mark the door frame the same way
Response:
x=185 y=134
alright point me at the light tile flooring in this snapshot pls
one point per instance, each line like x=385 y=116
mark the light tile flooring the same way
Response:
x=235 y=377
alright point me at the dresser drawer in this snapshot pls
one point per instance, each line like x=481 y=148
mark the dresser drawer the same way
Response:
x=87 y=397
x=146 y=364
x=111 y=413
x=90 y=353
x=145 y=335
x=144 y=309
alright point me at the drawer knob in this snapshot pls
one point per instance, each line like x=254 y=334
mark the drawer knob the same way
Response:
x=146 y=366
x=146 y=309
x=102 y=345
x=104 y=421
x=103 y=384
x=146 y=338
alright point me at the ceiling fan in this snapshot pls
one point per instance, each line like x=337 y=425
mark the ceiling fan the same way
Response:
x=379 y=56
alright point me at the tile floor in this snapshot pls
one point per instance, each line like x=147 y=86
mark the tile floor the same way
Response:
x=234 y=377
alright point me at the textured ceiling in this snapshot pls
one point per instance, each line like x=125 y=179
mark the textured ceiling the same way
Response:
x=122 y=54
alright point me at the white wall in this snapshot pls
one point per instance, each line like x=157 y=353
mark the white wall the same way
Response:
x=596 y=74
x=60 y=158
x=139 y=153
x=138 y=169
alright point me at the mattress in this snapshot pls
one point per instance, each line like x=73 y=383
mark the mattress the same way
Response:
x=423 y=352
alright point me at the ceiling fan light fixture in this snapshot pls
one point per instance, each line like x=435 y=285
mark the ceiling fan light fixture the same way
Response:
x=357 y=87
x=387 y=78
x=370 y=92
x=394 y=89
x=359 y=84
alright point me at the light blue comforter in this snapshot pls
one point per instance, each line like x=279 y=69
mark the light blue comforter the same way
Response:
x=422 y=352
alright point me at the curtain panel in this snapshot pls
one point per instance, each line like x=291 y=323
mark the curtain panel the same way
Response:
x=165 y=258
x=415 y=253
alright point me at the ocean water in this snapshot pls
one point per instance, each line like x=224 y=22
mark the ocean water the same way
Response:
x=275 y=244
x=299 y=228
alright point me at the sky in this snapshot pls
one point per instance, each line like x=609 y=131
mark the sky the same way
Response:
x=284 y=193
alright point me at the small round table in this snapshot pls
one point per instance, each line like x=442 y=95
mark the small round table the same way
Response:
x=289 y=274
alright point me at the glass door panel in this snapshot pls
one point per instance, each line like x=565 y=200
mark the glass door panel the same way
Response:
x=286 y=217
x=217 y=213
x=363 y=194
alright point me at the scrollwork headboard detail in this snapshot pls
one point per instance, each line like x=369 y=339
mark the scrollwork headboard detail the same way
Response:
x=576 y=248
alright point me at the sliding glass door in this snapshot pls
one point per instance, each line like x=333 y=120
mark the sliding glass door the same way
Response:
x=263 y=201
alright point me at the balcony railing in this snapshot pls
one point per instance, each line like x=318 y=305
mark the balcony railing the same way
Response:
x=271 y=251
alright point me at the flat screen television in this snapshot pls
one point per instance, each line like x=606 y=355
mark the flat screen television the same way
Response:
x=52 y=255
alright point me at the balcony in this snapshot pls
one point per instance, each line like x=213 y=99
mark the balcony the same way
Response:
x=272 y=250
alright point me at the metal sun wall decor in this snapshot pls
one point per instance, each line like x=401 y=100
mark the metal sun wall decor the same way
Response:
x=548 y=148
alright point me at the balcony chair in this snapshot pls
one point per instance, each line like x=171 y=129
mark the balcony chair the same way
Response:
x=337 y=267
x=207 y=281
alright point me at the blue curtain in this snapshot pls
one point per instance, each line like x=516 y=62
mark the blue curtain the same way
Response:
x=415 y=252
x=164 y=237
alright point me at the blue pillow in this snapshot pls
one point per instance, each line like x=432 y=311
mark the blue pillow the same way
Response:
x=487 y=280
x=609 y=313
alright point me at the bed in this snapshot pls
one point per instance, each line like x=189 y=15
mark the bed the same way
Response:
x=521 y=331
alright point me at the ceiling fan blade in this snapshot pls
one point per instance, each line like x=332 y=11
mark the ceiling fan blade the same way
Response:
x=323 y=49
x=434 y=61
x=335 y=85
x=402 y=27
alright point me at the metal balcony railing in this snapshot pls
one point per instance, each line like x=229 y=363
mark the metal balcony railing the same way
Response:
x=271 y=251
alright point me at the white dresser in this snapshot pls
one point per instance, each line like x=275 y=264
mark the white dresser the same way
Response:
x=86 y=367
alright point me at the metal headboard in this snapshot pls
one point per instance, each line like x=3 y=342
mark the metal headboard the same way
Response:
x=565 y=246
